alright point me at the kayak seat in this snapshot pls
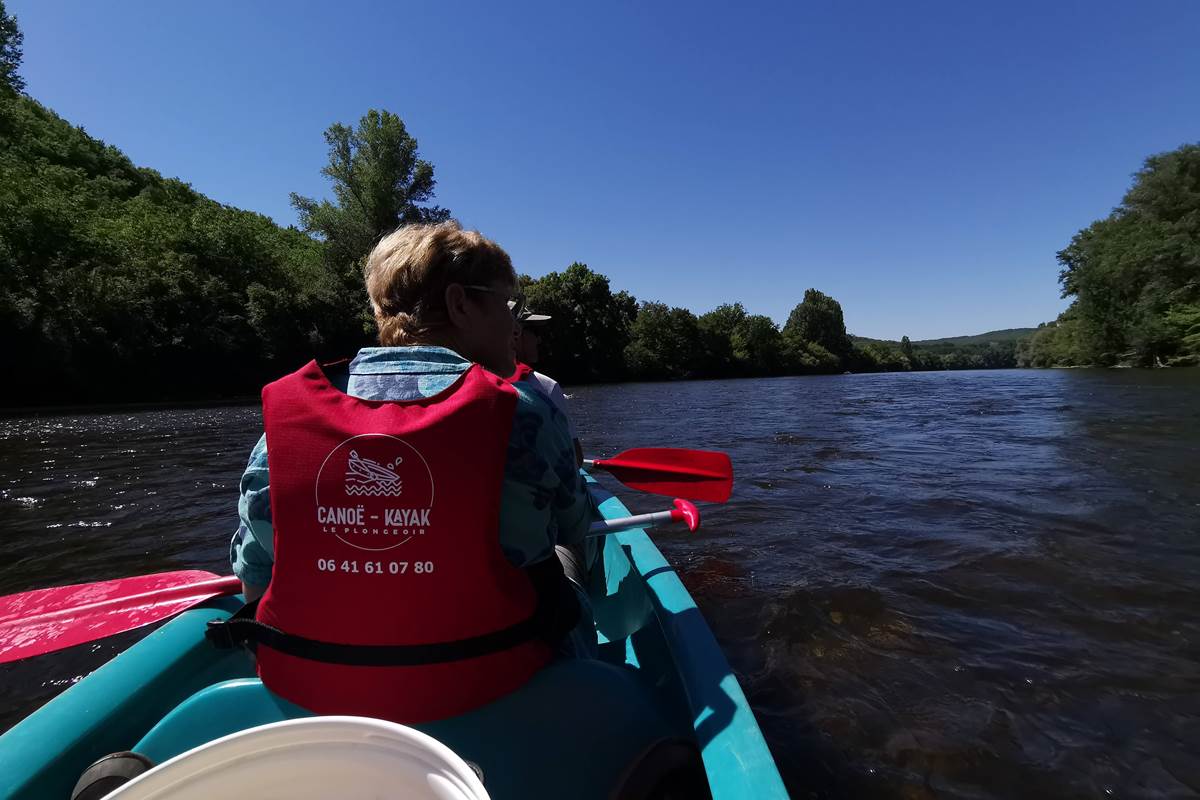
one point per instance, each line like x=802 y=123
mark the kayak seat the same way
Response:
x=580 y=728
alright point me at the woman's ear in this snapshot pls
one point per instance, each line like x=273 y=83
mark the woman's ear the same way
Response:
x=457 y=309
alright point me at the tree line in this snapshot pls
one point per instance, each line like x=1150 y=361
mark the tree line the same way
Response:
x=1134 y=277
x=117 y=283
x=601 y=335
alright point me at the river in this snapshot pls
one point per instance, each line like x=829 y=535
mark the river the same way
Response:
x=960 y=585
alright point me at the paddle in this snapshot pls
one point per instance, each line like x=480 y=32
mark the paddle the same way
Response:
x=45 y=620
x=682 y=512
x=676 y=472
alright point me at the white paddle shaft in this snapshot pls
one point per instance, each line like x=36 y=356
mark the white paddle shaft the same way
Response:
x=604 y=527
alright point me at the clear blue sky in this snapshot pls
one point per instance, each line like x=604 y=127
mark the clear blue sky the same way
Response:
x=919 y=161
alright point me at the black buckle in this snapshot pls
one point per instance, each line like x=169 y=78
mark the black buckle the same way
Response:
x=219 y=634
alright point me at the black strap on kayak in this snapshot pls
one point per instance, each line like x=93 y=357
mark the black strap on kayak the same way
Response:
x=552 y=620
x=243 y=629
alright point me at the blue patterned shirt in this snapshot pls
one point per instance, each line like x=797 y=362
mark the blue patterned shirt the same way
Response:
x=543 y=500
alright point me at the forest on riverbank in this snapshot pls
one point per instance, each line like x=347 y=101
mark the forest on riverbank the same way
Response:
x=117 y=283
x=1134 y=277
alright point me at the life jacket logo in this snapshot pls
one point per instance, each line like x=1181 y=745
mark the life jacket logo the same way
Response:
x=367 y=477
x=359 y=488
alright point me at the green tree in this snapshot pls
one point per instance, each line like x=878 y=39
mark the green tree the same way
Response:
x=734 y=343
x=116 y=283
x=818 y=319
x=379 y=183
x=758 y=345
x=665 y=343
x=717 y=330
x=1056 y=344
x=591 y=324
x=11 y=54
x=875 y=356
x=1135 y=275
x=804 y=357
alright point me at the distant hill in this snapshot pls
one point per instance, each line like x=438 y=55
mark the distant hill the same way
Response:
x=1005 y=335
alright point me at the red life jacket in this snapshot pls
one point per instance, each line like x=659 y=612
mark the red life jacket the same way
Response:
x=522 y=372
x=386 y=518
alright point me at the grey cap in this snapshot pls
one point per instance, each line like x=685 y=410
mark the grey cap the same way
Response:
x=527 y=317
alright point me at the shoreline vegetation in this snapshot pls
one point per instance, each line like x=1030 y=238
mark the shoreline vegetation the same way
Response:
x=1135 y=277
x=120 y=285
x=98 y=407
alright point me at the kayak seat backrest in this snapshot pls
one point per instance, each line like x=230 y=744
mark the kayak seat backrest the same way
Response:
x=213 y=712
x=579 y=728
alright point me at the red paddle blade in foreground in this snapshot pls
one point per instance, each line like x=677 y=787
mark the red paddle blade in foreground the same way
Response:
x=694 y=474
x=45 y=620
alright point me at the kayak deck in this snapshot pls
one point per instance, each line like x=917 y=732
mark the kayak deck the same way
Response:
x=661 y=693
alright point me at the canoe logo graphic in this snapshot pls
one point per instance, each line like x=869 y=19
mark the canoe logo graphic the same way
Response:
x=374 y=492
x=367 y=477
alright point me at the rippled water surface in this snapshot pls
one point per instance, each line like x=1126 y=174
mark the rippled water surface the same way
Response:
x=931 y=585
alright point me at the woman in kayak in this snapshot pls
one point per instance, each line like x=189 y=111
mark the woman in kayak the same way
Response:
x=403 y=540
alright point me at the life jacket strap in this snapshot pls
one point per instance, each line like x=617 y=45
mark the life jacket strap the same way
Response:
x=556 y=615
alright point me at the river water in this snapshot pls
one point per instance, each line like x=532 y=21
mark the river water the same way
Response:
x=960 y=585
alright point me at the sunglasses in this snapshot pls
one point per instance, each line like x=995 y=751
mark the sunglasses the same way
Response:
x=514 y=300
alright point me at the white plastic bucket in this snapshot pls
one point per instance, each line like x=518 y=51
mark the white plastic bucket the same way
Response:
x=345 y=758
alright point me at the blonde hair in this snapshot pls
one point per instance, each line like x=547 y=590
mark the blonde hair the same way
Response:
x=408 y=271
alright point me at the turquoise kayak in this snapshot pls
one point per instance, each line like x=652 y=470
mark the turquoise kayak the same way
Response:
x=660 y=714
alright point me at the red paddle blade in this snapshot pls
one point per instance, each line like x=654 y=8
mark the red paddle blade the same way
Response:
x=693 y=474
x=45 y=620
